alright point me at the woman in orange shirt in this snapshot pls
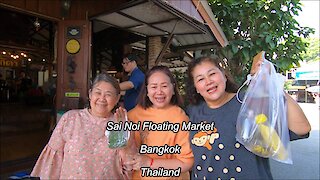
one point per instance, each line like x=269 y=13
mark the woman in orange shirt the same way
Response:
x=164 y=147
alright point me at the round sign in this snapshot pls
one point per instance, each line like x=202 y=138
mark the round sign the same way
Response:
x=73 y=46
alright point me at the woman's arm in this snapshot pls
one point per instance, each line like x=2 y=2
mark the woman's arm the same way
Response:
x=184 y=159
x=49 y=163
x=297 y=121
x=138 y=160
x=146 y=161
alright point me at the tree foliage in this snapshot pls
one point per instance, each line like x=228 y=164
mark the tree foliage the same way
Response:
x=255 y=25
x=312 y=53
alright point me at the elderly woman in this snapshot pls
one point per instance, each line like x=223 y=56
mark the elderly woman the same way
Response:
x=78 y=147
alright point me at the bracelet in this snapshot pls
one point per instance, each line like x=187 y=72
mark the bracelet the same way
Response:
x=151 y=162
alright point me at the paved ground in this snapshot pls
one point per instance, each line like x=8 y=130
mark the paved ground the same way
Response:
x=305 y=152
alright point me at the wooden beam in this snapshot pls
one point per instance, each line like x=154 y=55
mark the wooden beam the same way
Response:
x=209 y=20
x=195 y=47
x=165 y=47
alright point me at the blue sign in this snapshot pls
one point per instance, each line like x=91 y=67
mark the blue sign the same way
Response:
x=307 y=75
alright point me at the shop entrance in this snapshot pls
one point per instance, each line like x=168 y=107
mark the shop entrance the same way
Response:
x=27 y=86
x=109 y=46
x=27 y=57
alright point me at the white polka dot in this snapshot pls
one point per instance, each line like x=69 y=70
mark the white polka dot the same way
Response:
x=219 y=178
x=225 y=170
x=204 y=178
x=199 y=168
x=237 y=145
x=217 y=157
x=210 y=169
x=195 y=175
x=221 y=146
x=238 y=169
x=232 y=178
x=231 y=157
x=204 y=157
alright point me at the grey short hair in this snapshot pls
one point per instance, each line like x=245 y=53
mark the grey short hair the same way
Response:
x=108 y=79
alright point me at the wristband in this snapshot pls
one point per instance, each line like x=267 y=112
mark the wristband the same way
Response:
x=151 y=162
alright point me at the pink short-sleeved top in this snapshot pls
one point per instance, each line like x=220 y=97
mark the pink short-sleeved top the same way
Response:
x=78 y=150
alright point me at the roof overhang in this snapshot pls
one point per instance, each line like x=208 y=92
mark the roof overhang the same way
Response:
x=160 y=18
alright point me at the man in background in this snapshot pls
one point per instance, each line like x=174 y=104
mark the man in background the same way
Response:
x=133 y=85
x=24 y=84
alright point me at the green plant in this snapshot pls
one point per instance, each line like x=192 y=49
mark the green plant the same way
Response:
x=255 y=25
x=180 y=77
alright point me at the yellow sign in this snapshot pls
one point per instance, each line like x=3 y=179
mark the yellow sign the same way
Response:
x=73 y=46
x=9 y=63
x=72 y=94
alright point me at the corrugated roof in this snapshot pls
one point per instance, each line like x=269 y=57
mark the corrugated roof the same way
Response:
x=162 y=18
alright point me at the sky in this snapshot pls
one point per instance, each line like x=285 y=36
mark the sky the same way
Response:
x=310 y=16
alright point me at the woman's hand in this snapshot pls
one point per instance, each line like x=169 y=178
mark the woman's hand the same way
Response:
x=128 y=161
x=137 y=161
x=120 y=114
x=141 y=161
x=257 y=61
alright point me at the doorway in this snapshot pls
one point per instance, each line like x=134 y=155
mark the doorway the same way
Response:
x=27 y=88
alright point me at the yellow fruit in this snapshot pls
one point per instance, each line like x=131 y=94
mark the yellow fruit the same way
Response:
x=261 y=118
x=273 y=141
x=258 y=149
x=270 y=139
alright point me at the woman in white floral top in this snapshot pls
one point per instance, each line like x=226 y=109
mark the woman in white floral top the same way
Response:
x=78 y=147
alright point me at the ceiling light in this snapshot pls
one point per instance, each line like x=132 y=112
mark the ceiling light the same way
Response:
x=37 y=24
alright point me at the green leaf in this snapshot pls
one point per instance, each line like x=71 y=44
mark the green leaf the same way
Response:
x=234 y=48
x=245 y=53
x=250 y=1
x=268 y=39
x=272 y=45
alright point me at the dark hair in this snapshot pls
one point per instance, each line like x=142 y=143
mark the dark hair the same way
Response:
x=131 y=57
x=143 y=99
x=196 y=98
x=108 y=79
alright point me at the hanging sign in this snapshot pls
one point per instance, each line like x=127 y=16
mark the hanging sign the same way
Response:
x=9 y=63
x=73 y=32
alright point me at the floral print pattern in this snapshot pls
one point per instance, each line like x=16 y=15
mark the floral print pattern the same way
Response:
x=78 y=149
